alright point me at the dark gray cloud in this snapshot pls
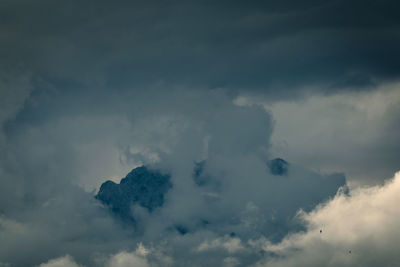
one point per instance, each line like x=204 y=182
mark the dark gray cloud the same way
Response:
x=276 y=48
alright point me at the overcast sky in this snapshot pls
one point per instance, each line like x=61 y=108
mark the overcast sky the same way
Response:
x=89 y=90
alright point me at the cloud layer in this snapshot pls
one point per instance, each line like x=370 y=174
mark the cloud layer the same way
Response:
x=276 y=48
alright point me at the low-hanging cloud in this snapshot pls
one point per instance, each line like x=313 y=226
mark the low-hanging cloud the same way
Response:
x=356 y=229
x=58 y=160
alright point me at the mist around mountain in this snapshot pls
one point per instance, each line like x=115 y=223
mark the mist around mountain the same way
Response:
x=148 y=189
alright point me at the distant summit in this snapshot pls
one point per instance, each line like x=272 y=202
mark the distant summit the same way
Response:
x=141 y=186
x=278 y=166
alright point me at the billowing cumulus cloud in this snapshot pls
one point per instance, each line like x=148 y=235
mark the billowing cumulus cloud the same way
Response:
x=357 y=230
x=55 y=158
x=317 y=130
x=230 y=244
x=66 y=261
x=125 y=259
x=141 y=257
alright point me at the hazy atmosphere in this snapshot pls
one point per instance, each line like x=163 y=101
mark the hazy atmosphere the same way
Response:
x=199 y=133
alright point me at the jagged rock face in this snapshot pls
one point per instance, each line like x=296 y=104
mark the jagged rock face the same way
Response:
x=141 y=186
x=278 y=166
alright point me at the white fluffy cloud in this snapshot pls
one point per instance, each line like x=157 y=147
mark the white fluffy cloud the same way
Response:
x=126 y=259
x=140 y=257
x=66 y=261
x=231 y=245
x=357 y=230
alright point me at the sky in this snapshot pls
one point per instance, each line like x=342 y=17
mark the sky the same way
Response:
x=90 y=90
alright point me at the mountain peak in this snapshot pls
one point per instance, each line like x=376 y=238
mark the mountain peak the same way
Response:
x=278 y=166
x=141 y=186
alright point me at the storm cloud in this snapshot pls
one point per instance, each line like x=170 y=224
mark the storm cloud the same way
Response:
x=277 y=48
x=265 y=117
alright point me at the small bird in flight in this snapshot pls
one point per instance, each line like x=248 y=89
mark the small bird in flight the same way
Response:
x=320 y=231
